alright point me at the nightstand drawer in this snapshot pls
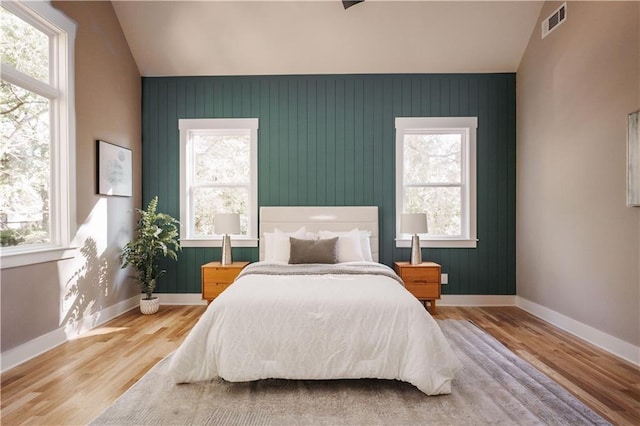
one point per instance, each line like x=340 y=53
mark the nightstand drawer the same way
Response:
x=219 y=275
x=425 y=291
x=212 y=290
x=420 y=275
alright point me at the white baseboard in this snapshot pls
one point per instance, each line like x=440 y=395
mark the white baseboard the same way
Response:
x=31 y=349
x=476 y=300
x=609 y=343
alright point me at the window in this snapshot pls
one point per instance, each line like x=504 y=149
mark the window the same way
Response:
x=435 y=174
x=218 y=174
x=37 y=134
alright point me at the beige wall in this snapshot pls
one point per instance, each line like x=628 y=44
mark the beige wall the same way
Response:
x=578 y=244
x=41 y=298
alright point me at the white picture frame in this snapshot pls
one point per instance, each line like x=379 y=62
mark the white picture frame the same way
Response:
x=114 y=170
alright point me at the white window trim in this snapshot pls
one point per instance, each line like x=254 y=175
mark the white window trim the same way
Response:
x=469 y=204
x=184 y=125
x=63 y=138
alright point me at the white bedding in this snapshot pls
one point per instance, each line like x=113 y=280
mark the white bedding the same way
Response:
x=317 y=327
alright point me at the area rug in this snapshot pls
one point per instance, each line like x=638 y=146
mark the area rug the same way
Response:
x=495 y=387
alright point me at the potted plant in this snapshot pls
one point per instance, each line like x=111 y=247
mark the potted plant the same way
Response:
x=157 y=236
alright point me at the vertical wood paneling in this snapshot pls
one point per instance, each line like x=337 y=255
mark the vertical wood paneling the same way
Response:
x=349 y=142
x=330 y=140
x=386 y=211
x=339 y=136
x=302 y=144
x=358 y=142
x=321 y=142
x=365 y=179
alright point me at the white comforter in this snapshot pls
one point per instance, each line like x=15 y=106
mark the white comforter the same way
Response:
x=317 y=327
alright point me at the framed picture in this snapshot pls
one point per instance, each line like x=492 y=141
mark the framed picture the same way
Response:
x=633 y=159
x=114 y=170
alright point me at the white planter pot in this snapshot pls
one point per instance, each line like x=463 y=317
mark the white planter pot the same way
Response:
x=151 y=306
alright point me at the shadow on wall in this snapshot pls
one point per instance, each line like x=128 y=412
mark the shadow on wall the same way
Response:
x=87 y=288
x=93 y=281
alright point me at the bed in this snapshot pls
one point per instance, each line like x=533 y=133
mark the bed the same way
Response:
x=316 y=319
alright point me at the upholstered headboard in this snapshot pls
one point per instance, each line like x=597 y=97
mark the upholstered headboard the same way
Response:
x=290 y=219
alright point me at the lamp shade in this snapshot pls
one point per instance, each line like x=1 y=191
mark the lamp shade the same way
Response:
x=413 y=223
x=226 y=223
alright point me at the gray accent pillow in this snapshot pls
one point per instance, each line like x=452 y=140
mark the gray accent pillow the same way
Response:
x=313 y=251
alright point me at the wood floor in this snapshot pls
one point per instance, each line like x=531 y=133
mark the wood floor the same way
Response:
x=74 y=382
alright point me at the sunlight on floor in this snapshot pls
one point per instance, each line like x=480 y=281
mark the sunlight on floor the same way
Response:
x=99 y=331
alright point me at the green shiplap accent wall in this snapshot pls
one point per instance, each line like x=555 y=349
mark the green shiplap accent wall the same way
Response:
x=330 y=140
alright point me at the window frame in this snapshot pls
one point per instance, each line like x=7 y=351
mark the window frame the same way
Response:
x=60 y=92
x=467 y=125
x=188 y=126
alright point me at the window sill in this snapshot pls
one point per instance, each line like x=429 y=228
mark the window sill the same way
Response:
x=461 y=243
x=239 y=242
x=32 y=257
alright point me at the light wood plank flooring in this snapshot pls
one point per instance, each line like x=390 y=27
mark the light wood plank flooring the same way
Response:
x=74 y=382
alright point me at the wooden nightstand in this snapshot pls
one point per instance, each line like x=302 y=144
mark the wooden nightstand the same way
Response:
x=423 y=281
x=217 y=277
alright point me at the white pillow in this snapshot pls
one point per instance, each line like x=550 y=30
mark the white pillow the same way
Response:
x=365 y=242
x=277 y=247
x=365 y=245
x=349 y=246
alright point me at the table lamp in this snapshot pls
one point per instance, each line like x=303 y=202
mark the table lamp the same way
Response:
x=414 y=223
x=226 y=223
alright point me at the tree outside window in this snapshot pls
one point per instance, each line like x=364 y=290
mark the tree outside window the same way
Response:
x=25 y=136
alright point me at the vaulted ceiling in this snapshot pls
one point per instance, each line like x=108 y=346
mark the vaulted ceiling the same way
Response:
x=178 y=38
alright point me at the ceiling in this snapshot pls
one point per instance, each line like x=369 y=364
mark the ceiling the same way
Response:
x=181 y=38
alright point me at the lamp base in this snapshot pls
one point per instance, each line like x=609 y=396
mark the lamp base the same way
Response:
x=416 y=252
x=226 y=250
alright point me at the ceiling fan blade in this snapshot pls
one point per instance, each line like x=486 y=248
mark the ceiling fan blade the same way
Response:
x=348 y=4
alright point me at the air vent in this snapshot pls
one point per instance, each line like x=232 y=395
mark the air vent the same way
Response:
x=554 y=20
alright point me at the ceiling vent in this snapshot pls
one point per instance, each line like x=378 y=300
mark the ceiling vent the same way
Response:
x=554 y=20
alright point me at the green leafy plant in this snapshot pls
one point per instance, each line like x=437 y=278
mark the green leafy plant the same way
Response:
x=157 y=237
x=10 y=237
